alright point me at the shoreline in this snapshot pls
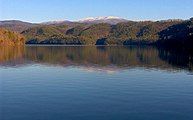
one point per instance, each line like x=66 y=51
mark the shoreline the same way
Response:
x=86 y=45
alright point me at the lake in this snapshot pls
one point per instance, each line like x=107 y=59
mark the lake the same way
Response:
x=95 y=83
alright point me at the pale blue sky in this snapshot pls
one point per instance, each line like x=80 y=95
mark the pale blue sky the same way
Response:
x=49 y=10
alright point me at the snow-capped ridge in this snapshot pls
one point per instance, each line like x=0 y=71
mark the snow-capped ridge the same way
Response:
x=89 y=20
x=99 y=18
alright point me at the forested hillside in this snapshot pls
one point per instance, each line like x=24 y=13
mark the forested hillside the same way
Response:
x=175 y=33
x=125 y=33
x=9 y=38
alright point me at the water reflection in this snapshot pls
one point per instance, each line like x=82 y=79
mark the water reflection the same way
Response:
x=11 y=56
x=98 y=57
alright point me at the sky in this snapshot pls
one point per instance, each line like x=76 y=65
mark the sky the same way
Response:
x=50 y=10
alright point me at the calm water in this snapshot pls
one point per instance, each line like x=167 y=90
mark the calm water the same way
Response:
x=95 y=83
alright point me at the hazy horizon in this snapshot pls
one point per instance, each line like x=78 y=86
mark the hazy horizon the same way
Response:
x=88 y=17
x=36 y=11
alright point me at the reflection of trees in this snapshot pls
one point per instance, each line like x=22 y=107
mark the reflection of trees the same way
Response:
x=101 y=56
x=179 y=58
x=119 y=56
x=12 y=55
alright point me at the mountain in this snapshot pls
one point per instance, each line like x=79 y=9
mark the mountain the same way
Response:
x=146 y=32
x=106 y=31
x=110 y=20
x=90 y=20
x=15 y=25
x=56 y=22
x=20 y=26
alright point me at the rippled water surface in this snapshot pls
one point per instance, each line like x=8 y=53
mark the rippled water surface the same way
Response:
x=95 y=83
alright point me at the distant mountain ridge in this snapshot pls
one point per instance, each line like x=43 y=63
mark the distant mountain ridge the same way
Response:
x=99 y=18
x=20 y=26
x=110 y=20
x=16 y=25
x=56 y=22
